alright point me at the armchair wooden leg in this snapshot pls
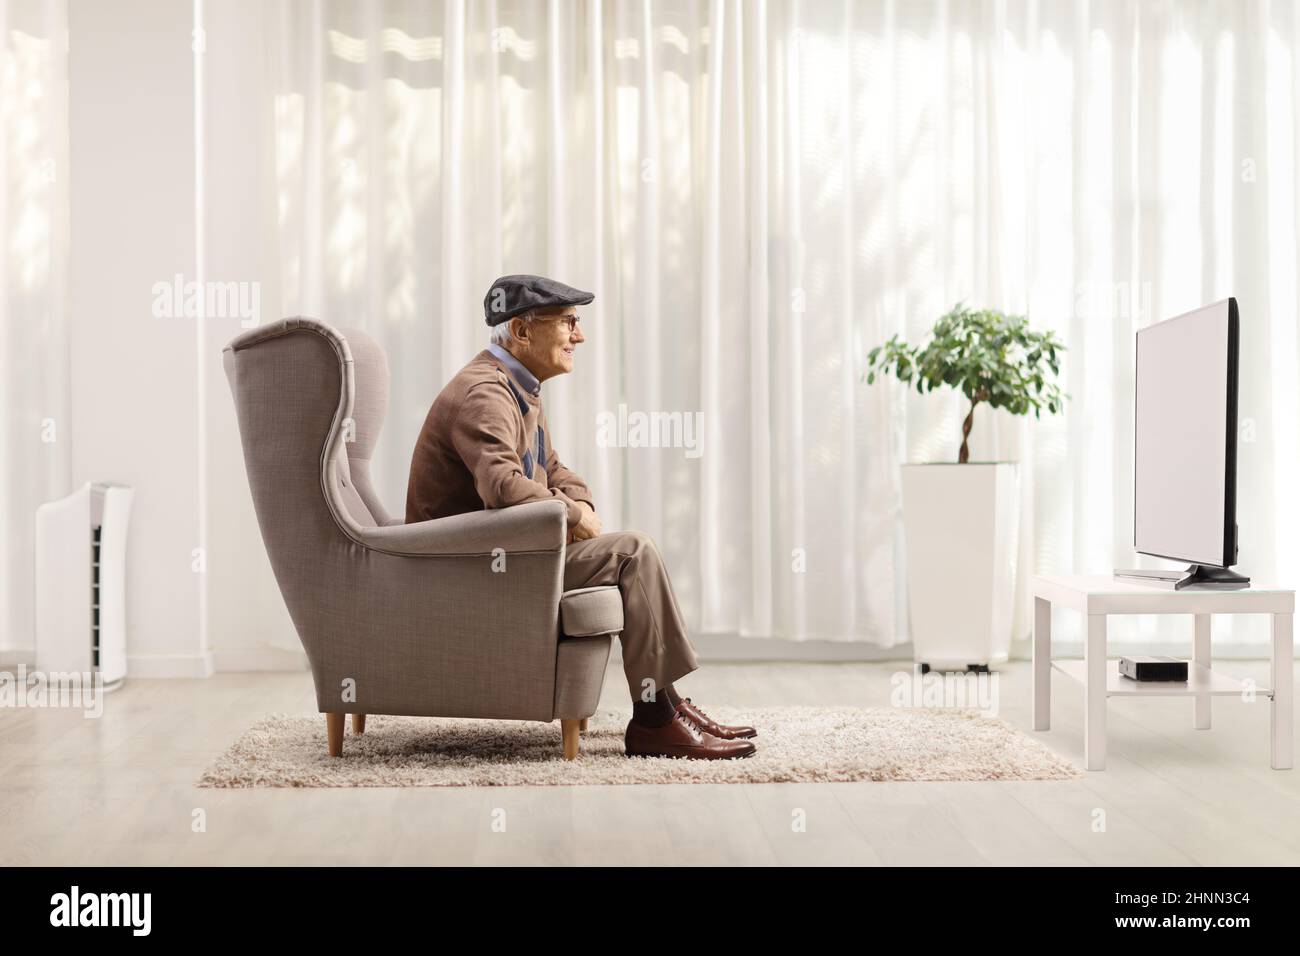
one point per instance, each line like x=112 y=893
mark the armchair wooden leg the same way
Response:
x=570 y=730
x=582 y=725
x=358 y=723
x=334 y=730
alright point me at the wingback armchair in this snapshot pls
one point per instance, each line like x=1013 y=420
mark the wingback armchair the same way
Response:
x=464 y=616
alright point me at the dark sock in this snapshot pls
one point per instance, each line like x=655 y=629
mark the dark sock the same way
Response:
x=655 y=713
x=671 y=693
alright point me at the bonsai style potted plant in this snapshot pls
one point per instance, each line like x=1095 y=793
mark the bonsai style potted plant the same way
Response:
x=961 y=520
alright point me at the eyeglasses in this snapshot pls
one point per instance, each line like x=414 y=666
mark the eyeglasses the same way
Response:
x=570 y=320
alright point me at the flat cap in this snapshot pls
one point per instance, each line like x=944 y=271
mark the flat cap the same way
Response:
x=512 y=295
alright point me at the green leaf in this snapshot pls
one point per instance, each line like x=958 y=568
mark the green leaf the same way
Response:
x=984 y=354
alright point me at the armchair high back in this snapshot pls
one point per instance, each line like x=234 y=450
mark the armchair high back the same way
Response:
x=456 y=617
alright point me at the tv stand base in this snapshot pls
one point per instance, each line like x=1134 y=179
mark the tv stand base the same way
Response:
x=1196 y=575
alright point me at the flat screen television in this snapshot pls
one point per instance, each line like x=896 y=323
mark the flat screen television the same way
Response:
x=1185 y=448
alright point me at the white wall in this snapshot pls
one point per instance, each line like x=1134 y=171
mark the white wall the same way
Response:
x=151 y=406
x=135 y=408
x=248 y=625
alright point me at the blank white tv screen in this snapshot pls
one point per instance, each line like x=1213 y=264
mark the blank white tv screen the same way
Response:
x=1185 y=426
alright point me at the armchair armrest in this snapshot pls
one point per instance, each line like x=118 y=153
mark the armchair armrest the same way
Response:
x=535 y=526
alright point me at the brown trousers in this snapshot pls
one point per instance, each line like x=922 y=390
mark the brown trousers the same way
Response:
x=655 y=645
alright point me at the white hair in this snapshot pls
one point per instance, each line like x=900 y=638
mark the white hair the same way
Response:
x=499 y=334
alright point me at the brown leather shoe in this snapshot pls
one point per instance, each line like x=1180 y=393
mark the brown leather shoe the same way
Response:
x=711 y=726
x=681 y=737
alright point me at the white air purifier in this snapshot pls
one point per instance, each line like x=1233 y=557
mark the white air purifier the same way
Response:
x=81 y=582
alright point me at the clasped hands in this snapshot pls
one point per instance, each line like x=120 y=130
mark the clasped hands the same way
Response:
x=588 y=525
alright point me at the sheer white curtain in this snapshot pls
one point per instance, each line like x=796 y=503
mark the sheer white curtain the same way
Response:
x=35 y=465
x=759 y=192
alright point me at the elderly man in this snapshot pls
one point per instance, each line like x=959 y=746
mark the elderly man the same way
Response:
x=486 y=444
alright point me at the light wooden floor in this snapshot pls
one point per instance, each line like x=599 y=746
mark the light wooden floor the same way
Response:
x=119 y=791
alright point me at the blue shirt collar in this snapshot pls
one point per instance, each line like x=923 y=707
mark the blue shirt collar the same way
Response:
x=517 y=369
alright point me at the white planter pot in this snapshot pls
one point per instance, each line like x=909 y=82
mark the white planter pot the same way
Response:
x=961 y=524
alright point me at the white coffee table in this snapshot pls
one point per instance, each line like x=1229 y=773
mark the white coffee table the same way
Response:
x=1096 y=597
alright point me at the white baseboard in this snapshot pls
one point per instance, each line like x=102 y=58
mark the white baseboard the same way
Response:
x=145 y=666
x=711 y=647
x=151 y=666
x=14 y=658
x=244 y=659
x=730 y=648
x=1180 y=649
x=733 y=648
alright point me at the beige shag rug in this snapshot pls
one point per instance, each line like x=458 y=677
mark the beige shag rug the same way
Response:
x=795 y=745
